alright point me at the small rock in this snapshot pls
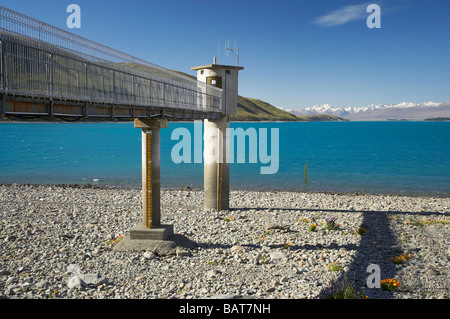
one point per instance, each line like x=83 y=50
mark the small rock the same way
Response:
x=93 y=279
x=75 y=282
x=433 y=272
x=10 y=238
x=21 y=269
x=11 y=289
x=42 y=284
x=4 y=272
x=274 y=226
x=271 y=289
x=278 y=255
x=411 y=247
x=149 y=255
x=237 y=249
x=204 y=290
x=284 y=279
x=181 y=252
x=210 y=274
x=165 y=268
x=12 y=280
x=25 y=286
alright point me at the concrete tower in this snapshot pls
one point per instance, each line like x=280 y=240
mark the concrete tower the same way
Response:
x=216 y=140
x=224 y=77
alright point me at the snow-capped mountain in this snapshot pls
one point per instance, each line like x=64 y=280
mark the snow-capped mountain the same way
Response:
x=405 y=110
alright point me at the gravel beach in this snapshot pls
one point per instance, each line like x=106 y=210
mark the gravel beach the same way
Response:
x=58 y=242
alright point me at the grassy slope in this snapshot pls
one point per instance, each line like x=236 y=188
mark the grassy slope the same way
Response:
x=249 y=109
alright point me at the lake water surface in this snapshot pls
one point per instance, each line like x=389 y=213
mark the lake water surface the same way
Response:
x=371 y=157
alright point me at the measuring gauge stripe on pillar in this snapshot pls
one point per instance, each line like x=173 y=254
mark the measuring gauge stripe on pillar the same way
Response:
x=219 y=179
x=219 y=192
x=148 y=177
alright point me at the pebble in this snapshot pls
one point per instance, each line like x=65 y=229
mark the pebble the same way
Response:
x=75 y=282
x=149 y=255
x=278 y=255
x=62 y=246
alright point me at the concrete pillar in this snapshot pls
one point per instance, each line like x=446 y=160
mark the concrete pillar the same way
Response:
x=216 y=165
x=2 y=106
x=151 y=211
x=150 y=234
x=151 y=228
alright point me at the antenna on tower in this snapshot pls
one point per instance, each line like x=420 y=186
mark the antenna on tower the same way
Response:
x=227 y=49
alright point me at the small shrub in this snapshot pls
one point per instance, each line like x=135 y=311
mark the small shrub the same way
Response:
x=113 y=242
x=335 y=266
x=389 y=284
x=344 y=290
x=398 y=260
x=361 y=231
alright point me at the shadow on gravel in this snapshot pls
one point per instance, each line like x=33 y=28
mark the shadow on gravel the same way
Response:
x=376 y=246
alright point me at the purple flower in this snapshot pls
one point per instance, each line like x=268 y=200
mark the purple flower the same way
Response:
x=331 y=223
x=331 y=289
x=330 y=219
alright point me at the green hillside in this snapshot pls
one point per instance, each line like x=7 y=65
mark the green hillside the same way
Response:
x=249 y=109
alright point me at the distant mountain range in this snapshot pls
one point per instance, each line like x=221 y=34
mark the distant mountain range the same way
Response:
x=249 y=109
x=382 y=112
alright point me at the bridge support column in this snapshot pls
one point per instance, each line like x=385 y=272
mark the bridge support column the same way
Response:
x=150 y=234
x=151 y=210
x=2 y=105
x=216 y=165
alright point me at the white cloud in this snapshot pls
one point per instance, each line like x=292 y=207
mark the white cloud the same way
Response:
x=343 y=15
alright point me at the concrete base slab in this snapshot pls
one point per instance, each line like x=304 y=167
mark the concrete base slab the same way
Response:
x=159 y=247
x=160 y=241
x=140 y=232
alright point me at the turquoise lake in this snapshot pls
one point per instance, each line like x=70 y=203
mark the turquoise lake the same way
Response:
x=367 y=157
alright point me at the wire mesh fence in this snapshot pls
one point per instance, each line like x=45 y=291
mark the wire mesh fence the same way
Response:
x=40 y=60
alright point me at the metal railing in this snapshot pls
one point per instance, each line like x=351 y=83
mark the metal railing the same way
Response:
x=40 y=60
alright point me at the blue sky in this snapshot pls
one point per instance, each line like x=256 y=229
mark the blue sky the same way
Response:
x=291 y=60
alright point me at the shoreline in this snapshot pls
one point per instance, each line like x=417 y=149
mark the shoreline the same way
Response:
x=193 y=188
